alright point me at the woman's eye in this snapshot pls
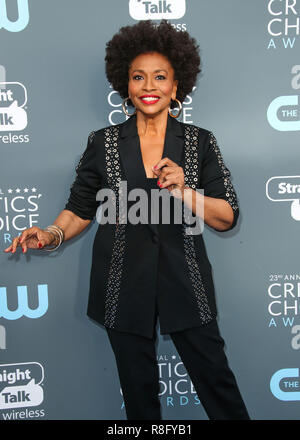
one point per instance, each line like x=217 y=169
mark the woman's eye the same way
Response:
x=160 y=77
x=137 y=77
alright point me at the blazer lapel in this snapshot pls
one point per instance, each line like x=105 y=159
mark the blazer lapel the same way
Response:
x=131 y=156
x=174 y=141
x=130 y=150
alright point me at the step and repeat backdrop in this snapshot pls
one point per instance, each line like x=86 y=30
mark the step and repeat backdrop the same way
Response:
x=56 y=363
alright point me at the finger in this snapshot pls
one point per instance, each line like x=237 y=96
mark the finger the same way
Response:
x=163 y=175
x=164 y=162
x=43 y=238
x=21 y=245
x=8 y=249
x=157 y=171
x=15 y=244
x=171 y=173
x=171 y=180
x=161 y=180
x=24 y=247
x=28 y=232
x=166 y=172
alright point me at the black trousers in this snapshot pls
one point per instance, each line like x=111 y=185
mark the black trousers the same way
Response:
x=201 y=350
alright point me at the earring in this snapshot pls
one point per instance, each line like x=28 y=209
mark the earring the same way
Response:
x=179 y=109
x=124 y=104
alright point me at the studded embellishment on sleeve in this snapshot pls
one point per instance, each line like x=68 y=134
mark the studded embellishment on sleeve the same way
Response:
x=113 y=168
x=230 y=193
x=191 y=180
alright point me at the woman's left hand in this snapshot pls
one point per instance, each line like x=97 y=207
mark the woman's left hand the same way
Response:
x=170 y=176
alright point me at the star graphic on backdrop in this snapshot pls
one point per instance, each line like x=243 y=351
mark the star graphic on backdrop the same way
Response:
x=18 y=190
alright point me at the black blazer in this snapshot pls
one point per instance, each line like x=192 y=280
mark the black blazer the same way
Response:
x=138 y=268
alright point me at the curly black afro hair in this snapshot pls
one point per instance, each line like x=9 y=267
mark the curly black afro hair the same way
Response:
x=179 y=47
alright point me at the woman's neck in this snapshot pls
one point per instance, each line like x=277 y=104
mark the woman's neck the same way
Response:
x=152 y=126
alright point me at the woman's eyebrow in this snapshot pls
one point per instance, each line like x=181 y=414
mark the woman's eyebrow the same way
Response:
x=155 y=71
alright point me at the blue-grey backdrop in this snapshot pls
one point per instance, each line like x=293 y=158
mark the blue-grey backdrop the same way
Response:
x=55 y=363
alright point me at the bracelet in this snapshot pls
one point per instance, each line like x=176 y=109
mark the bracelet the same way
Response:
x=58 y=232
x=55 y=234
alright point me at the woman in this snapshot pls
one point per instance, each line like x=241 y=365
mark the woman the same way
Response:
x=148 y=269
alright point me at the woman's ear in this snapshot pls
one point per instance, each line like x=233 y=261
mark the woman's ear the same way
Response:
x=174 y=91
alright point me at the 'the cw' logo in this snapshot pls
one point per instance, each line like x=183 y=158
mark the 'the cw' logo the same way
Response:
x=278 y=105
x=284 y=384
x=283 y=112
x=23 y=308
x=23 y=16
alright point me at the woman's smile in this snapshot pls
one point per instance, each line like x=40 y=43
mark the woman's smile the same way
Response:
x=149 y=99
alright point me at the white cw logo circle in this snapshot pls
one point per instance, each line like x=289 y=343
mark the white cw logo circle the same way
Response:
x=20 y=23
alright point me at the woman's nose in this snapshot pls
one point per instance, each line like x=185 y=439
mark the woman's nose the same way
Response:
x=148 y=84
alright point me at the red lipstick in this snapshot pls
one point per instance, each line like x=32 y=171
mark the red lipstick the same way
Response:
x=149 y=99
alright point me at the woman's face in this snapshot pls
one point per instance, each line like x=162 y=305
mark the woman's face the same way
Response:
x=151 y=83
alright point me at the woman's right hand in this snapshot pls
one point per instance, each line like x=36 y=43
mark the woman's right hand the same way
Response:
x=33 y=238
